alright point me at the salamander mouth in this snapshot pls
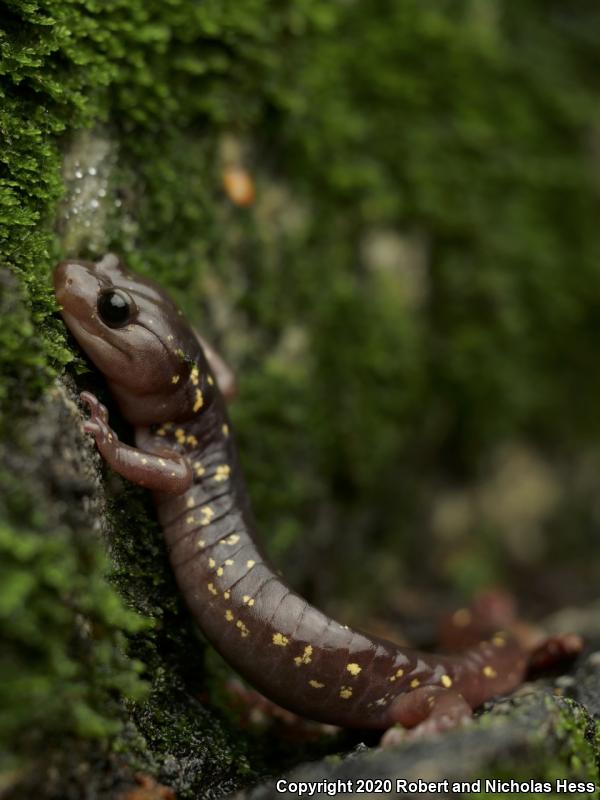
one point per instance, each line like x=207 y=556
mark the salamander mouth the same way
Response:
x=91 y=337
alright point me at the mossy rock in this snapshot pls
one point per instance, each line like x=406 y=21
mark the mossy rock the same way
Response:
x=395 y=320
x=535 y=736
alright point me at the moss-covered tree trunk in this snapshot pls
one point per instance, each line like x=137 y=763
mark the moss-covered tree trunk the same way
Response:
x=410 y=300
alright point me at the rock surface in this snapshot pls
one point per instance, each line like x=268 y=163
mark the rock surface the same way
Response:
x=543 y=733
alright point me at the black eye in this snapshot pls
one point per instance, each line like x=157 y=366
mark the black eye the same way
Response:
x=115 y=307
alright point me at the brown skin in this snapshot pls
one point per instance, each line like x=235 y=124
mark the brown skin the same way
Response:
x=160 y=375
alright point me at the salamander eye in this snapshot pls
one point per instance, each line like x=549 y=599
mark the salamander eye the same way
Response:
x=115 y=308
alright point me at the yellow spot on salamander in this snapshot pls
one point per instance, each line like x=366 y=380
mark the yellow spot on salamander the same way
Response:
x=201 y=543
x=229 y=615
x=212 y=563
x=346 y=692
x=207 y=515
x=414 y=683
x=211 y=588
x=280 y=640
x=446 y=681
x=489 y=671
x=398 y=674
x=199 y=469
x=305 y=658
x=250 y=563
x=223 y=472
x=170 y=337
x=190 y=502
x=189 y=520
x=229 y=562
x=191 y=440
x=144 y=460
x=353 y=669
x=226 y=595
x=225 y=429
x=462 y=617
x=194 y=375
x=220 y=571
x=233 y=539
x=210 y=380
x=498 y=640
x=316 y=684
x=175 y=378
x=180 y=435
x=199 y=401
x=249 y=601
x=162 y=462
x=243 y=629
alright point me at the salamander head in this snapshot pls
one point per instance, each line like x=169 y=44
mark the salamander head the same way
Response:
x=136 y=336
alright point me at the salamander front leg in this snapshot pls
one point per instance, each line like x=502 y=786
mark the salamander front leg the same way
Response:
x=430 y=709
x=164 y=472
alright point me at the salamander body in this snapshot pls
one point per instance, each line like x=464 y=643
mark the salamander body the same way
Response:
x=185 y=452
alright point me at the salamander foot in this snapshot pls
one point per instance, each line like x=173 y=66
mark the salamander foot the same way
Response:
x=555 y=651
x=98 y=421
x=424 y=712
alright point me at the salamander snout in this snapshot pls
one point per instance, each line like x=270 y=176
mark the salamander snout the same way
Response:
x=75 y=285
x=61 y=275
x=62 y=279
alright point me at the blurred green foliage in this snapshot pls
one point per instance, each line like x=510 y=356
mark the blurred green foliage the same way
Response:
x=416 y=285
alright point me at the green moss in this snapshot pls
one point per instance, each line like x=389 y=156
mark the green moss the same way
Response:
x=415 y=286
x=45 y=600
x=560 y=746
x=144 y=69
x=63 y=626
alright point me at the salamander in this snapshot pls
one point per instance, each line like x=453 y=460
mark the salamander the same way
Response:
x=166 y=384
